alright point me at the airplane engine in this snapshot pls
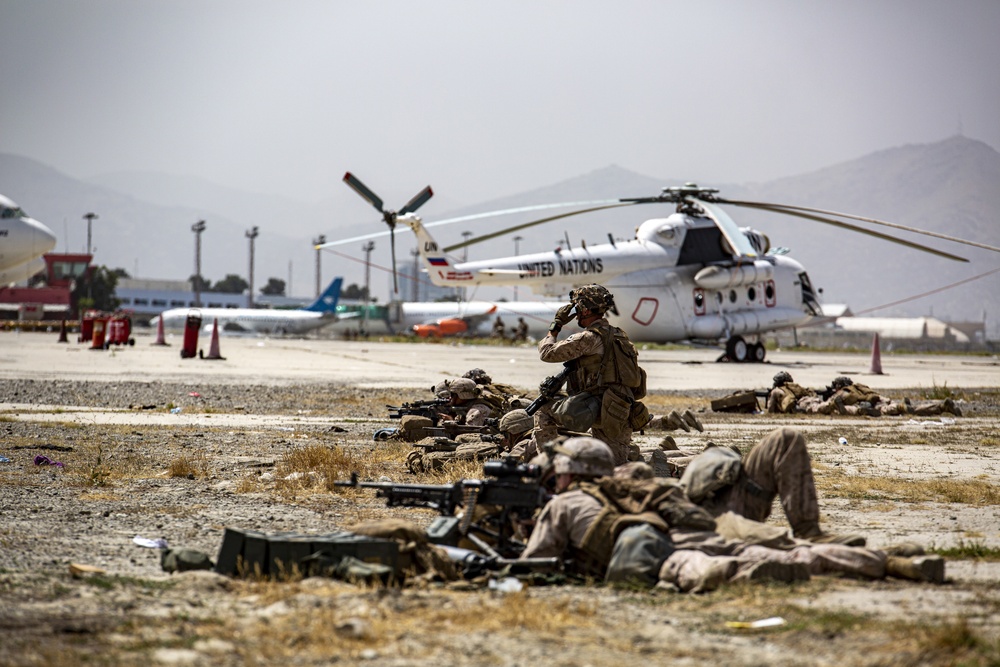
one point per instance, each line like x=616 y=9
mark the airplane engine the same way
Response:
x=721 y=277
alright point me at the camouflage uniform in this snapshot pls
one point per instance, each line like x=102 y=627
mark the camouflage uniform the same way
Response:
x=562 y=524
x=779 y=466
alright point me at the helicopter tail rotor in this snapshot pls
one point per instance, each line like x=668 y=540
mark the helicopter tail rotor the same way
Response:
x=388 y=215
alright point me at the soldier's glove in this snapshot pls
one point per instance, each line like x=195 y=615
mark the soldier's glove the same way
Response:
x=563 y=317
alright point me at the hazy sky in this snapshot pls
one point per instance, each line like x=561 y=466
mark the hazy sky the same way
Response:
x=485 y=99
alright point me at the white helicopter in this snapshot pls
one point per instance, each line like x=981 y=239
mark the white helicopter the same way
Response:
x=691 y=276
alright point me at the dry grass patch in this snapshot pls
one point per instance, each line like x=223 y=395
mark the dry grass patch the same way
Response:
x=340 y=624
x=189 y=466
x=978 y=492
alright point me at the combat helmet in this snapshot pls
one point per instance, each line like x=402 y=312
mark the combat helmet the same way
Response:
x=516 y=421
x=595 y=298
x=583 y=456
x=841 y=381
x=478 y=375
x=462 y=388
x=782 y=378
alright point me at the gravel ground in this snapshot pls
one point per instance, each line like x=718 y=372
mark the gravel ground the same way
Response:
x=127 y=478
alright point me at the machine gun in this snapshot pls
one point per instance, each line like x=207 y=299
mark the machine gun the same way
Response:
x=513 y=489
x=450 y=430
x=432 y=409
x=549 y=389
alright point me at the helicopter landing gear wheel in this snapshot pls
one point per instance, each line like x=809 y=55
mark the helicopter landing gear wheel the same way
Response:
x=757 y=352
x=737 y=350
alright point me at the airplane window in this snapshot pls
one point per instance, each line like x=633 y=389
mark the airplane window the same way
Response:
x=699 y=299
x=732 y=296
x=13 y=213
x=769 y=292
x=177 y=304
x=752 y=294
x=718 y=297
x=159 y=302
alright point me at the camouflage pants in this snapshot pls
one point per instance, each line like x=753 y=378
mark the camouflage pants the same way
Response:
x=547 y=428
x=693 y=570
x=778 y=465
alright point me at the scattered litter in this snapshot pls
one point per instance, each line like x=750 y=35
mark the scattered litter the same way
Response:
x=79 y=569
x=42 y=460
x=194 y=394
x=175 y=411
x=945 y=421
x=506 y=585
x=4 y=459
x=285 y=428
x=772 y=622
x=150 y=543
x=337 y=429
x=842 y=440
x=142 y=407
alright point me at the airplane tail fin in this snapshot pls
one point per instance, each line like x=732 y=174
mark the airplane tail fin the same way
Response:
x=327 y=301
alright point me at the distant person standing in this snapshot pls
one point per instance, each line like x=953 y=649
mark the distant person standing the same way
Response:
x=521 y=331
x=498 y=328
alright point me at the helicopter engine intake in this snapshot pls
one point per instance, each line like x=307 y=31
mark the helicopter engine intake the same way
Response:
x=721 y=277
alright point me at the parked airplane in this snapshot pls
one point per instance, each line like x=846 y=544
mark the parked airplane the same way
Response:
x=23 y=241
x=477 y=316
x=261 y=320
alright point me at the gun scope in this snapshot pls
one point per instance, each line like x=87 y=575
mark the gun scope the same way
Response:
x=511 y=468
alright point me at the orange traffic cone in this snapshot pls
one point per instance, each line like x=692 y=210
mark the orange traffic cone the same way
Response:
x=63 y=338
x=160 y=339
x=213 y=348
x=876 y=367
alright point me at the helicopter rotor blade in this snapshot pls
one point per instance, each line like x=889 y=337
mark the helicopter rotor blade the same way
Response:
x=365 y=193
x=508 y=230
x=418 y=200
x=778 y=208
x=790 y=210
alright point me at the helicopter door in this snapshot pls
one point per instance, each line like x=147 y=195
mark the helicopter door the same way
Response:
x=645 y=310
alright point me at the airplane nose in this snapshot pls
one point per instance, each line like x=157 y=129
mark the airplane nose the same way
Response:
x=43 y=238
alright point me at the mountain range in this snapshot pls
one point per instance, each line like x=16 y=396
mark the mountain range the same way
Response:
x=951 y=187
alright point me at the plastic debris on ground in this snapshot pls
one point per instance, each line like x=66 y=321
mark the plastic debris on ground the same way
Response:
x=150 y=543
x=506 y=585
x=773 y=622
x=41 y=460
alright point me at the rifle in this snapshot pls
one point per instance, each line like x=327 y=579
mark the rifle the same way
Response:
x=475 y=564
x=549 y=389
x=432 y=409
x=449 y=429
x=514 y=488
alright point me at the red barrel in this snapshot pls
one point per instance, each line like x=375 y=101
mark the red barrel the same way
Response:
x=97 y=336
x=191 y=326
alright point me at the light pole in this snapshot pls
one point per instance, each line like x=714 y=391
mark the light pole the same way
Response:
x=367 y=249
x=319 y=240
x=197 y=228
x=517 y=253
x=251 y=234
x=89 y=217
x=465 y=258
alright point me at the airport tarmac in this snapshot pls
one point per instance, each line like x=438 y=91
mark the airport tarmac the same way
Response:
x=383 y=364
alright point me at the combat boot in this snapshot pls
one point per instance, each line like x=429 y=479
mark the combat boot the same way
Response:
x=918 y=568
x=692 y=421
x=675 y=421
x=668 y=443
x=772 y=570
x=905 y=549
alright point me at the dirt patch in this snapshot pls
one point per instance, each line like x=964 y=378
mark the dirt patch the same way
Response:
x=117 y=483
